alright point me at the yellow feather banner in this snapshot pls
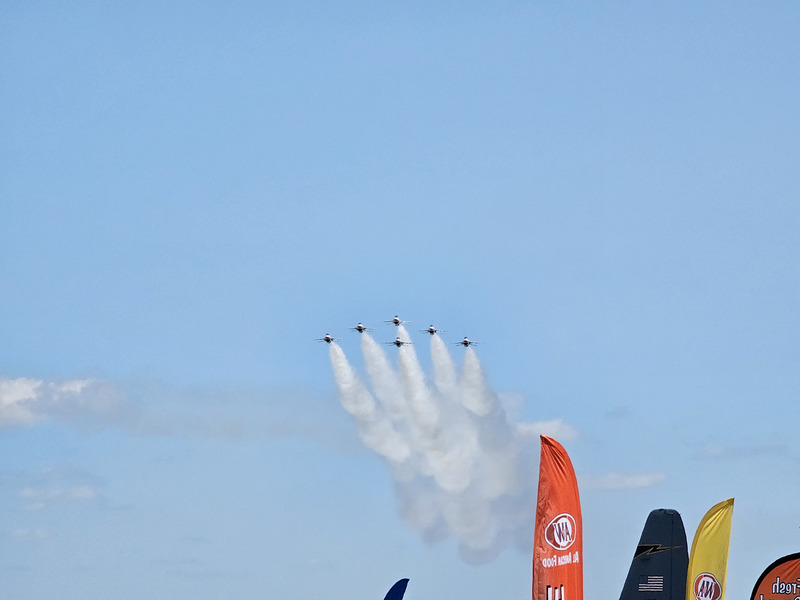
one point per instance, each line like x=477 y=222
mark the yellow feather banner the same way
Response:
x=708 y=560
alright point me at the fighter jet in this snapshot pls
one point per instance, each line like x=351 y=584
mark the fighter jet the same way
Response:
x=396 y=321
x=328 y=338
x=360 y=328
x=431 y=330
x=398 y=342
x=465 y=342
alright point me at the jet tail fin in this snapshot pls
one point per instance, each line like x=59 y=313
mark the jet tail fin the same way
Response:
x=397 y=590
x=660 y=563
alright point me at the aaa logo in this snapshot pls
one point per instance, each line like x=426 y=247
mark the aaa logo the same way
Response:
x=706 y=587
x=560 y=533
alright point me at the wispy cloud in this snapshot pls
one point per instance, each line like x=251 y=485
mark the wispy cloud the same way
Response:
x=148 y=408
x=623 y=481
x=61 y=485
x=194 y=569
x=25 y=401
x=723 y=452
x=619 y=412
x=38 y=498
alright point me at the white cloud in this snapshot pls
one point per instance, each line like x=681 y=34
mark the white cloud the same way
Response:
x=152 y=409
x=17 y=400
x=25 y=401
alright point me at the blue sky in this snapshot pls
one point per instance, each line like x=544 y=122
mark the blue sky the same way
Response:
x=605 y=196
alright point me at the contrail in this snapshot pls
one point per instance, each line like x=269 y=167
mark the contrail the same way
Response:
x=384 y=380
x=375 y=430
x=468 y=473
x=495 y=435
x=447 y=450
x=474 y=392
x=444 y=369
x=422 y=406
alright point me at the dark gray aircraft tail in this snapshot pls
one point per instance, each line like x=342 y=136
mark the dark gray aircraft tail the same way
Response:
x=397 y=591
x=658 y=570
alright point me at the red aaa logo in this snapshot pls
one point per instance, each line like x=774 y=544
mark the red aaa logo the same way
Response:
x=706 y=587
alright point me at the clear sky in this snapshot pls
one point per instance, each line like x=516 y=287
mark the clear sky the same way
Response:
x=605 y=195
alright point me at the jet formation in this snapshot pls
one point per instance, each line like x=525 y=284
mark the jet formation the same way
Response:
x=396 y=321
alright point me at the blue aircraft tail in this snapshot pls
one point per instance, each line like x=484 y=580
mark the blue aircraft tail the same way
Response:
x=659 y=566
x=397 y=591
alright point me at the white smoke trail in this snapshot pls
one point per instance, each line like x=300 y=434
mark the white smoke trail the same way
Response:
x=470 y=473
x=424 y=412
x=384 y=380
x=448 y=453
x=474 y=392
x=375 y=430
x=444 y=369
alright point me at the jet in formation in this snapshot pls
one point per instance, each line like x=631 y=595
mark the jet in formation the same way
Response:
x=431 y=330
x=396 y=321
x=361 y=328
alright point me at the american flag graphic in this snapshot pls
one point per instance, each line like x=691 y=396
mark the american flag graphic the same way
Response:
x=651 y=583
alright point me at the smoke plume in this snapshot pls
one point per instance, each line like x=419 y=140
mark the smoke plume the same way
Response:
x=460 y=467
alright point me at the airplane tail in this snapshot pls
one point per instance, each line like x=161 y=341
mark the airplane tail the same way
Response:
x=397 y=590
x=661 y=561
